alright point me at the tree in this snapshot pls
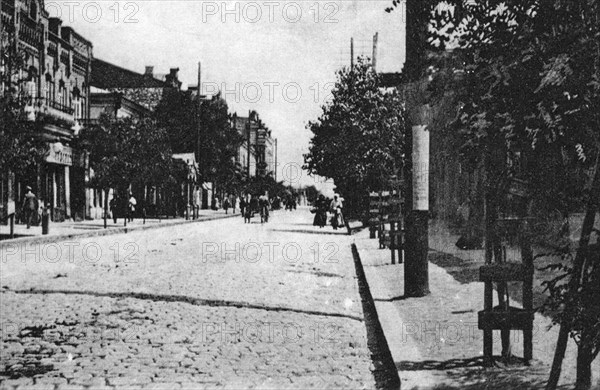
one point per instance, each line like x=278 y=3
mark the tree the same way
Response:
x=358 y=139
x=203 y=128
x=219 y=143
x=312 y=194
x=125 y=151
x=177 y=114
x=529 y=107
x=21 y=148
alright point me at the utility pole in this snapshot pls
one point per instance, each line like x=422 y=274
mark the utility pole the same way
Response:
x=416 y=266
x=248 y=131
x=199 y=111
x=374 y=59
x=351 y=53
x=275 y=159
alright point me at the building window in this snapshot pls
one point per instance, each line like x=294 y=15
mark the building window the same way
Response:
x=62 y=94
x=33 y=10
x=77 y=111
x=83 y=107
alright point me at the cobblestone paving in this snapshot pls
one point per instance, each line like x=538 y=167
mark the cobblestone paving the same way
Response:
x=211 y=305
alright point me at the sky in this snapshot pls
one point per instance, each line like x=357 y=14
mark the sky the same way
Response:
x=276 y=57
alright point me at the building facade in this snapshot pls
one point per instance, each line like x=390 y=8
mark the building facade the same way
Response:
x=257 y=156
x=54 y=82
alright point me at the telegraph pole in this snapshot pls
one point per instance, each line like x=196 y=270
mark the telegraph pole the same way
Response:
x=351 y=53
x=374 y=58
x=416 y=266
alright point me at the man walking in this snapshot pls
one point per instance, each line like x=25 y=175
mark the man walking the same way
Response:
x=131 y=207
x=30 y=207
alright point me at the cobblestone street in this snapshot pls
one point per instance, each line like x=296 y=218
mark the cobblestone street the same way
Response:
x=218 y=304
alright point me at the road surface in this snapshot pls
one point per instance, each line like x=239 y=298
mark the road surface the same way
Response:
x=218 y=304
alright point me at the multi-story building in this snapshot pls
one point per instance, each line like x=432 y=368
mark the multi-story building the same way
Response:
x=258 y=153
x=126 y=93
x=246 y=157
x=145 y=89
x=54 y=82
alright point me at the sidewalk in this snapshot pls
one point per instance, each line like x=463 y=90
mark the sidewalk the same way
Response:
x=65 y=230
x=435 y=341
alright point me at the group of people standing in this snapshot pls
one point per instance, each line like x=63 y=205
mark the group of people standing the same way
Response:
x=322 y=206
x=115 y=208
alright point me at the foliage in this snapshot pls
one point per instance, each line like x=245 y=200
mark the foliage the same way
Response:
x=177 y=113
x=258 y=185
x=312 y=194
x=21 y=147
x=358 y=139
x=127 y=150
x=209 y=134
x=529 y=106
x=219 y=142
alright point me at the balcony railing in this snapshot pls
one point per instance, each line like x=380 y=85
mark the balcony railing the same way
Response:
x=8 y=15
x=55 y=111
x=29 y=32
x=52 y=49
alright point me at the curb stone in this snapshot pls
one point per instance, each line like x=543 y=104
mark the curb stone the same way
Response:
x=46 y=239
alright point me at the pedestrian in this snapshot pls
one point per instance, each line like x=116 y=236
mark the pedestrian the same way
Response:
x=30 y=207
x=243 y=206
x=248 y=212
x=226 y=203
x=264 y=205
x=320 y=211
x=113 y=209
x=197 y=200
x=131 y=207
x=337 y=220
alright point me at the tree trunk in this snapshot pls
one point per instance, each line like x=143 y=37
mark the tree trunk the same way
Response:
x=105 y=208
x=584 y=363
x=574 y=283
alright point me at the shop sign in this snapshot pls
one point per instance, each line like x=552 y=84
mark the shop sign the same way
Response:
x=62 y=155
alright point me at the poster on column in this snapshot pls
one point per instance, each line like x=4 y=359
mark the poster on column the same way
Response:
x=420 y=158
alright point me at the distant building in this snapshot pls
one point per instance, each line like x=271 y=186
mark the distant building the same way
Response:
x=125 y=93
x=258 y=153
x=144 y=89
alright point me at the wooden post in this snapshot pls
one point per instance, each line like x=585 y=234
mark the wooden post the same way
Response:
x=12 y=225
x=105 y=207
